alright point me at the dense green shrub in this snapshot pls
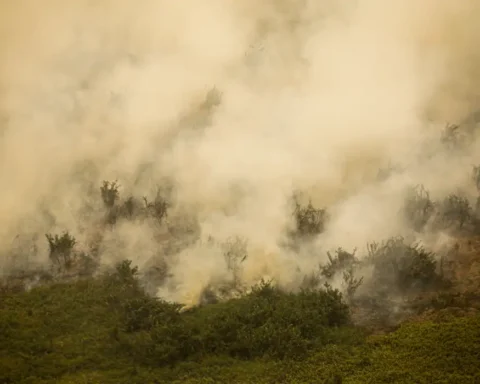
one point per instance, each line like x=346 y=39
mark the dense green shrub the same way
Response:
x=267 y=322
x=145 y=313
x=68 y=334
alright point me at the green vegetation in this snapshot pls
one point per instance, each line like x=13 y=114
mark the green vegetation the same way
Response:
x=107 y=330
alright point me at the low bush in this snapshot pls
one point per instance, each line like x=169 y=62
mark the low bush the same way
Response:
x=68 y=333
x=267 y=322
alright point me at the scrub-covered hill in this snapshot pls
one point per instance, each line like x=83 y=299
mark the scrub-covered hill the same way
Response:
x=281 y=191
x=106 y=330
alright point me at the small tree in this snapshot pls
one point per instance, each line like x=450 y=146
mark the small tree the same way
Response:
x=309 y=220
x=61 y=249
x=455 y=210
x=109 y=193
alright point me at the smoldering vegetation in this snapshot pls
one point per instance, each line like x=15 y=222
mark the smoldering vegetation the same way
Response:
x=381 y=281
x=307 y=145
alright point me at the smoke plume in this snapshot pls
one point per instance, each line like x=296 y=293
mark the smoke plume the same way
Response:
x=238 y=104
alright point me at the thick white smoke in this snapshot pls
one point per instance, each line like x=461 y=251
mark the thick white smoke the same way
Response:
x=304 y=95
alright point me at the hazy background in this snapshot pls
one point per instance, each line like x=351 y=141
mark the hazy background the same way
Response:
x=305 y=95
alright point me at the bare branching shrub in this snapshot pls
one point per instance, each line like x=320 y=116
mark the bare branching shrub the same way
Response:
x=158 y=208
x=341 y=261
x=418 y=207
x=61 y=249
x=351 y=283
x=109 y=193
x=344 y=263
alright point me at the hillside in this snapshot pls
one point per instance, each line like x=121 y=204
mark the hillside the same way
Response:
x=239 y=191
x=398 y=312
x=106 y=330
